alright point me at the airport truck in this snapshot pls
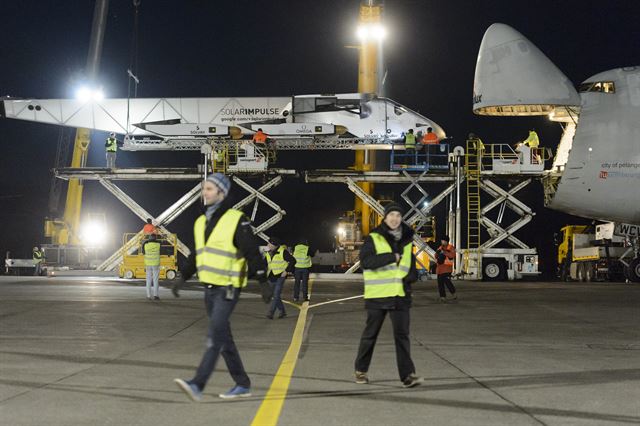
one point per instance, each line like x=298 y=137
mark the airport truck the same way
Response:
x=590 y=253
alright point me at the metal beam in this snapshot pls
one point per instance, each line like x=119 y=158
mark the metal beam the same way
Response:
x=164 y=218
x=339 y=176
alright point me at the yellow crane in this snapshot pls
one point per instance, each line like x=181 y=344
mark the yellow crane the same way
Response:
x=66 y=230
x=371 y=33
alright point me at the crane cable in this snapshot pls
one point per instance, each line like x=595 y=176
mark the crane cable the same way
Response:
x=133 y=62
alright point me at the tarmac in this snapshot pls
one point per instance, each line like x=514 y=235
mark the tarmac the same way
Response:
x=95 y=351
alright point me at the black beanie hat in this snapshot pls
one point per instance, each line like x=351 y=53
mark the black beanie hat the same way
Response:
x=393 y=207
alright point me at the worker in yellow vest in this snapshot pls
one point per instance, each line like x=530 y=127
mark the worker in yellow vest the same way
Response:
x=111 y=147
x=151 y=251
x=226 y=254
x=279 y=263
x=410 y=147
x=389 y=268
x=302 y=253
x=532 y=141
x=38 y=257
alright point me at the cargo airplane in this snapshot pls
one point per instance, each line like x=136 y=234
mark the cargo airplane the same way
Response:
x=596 y=170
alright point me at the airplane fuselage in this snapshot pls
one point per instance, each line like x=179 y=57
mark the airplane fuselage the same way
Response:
x=601 y=179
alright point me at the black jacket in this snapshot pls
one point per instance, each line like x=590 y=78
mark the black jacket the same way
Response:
x=288 y=257
x=243 y=239
x=369 y=259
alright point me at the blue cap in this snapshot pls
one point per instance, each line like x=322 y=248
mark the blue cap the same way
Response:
x=221 y=181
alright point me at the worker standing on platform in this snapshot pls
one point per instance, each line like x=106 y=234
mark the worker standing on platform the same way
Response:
x=279 y=262
x=444 y=268
x=111 y=146
x=430 y=138
x=149 y=228
x=410 y=146
x=38 y=258
x=389 y=269
x=532 y=141
x=151 y=251
x=302 y=253
x=260 y=137
x=226 y=254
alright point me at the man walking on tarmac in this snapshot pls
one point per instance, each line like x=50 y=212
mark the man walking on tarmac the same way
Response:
x=111 y=146
x=226 y=254
x=389 y=269
x=302 y=253
x=151 y=251
x=444 y=268
x=279 y=262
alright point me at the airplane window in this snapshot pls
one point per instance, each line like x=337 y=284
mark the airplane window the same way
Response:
x=598 y=86
x=399 y=110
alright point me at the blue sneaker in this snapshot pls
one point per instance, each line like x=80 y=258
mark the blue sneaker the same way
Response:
x=190 y=389
x=236 y=392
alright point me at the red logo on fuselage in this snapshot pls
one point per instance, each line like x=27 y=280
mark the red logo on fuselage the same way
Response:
x=603 y=174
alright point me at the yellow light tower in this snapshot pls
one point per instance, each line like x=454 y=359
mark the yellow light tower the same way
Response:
x=371 y=33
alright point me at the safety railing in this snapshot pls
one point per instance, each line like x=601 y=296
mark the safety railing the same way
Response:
x=424 y=158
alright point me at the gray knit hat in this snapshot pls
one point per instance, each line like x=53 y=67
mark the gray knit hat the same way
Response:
x=393 y=207
x=221 y=181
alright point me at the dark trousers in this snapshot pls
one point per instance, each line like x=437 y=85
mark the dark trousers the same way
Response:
x=276 y=302
x=302 y=278
x=410 y=158
x=445 y=279
x=400 y=324
x=219 y=338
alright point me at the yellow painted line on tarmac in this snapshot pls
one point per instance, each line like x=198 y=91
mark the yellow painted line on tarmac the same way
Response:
x=269 y=412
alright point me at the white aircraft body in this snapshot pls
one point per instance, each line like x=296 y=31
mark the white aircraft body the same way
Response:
x=355 y=115
x=596 y=171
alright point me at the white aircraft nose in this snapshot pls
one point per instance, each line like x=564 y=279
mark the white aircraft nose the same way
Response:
x=498 y=34
x=513 y=77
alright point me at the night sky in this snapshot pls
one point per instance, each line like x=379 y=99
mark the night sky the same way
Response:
x=279 y=48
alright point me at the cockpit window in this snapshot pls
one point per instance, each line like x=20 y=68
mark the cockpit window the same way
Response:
x=597 y=86
x=399 y=110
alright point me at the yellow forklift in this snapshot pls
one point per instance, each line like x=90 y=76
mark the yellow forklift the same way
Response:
x=132 y=265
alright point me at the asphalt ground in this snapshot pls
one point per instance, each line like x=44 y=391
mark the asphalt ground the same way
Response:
x=95 y=351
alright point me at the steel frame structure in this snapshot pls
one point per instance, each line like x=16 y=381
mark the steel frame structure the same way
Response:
x=106 y=178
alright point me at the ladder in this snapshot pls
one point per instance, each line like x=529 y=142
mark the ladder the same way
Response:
x=473 y=166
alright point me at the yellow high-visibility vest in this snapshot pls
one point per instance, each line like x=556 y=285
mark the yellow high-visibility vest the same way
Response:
x=532 y=141
x=277 y=264
x=217 y=259
x=301 y=253
x=152 y=253
x=112 y=145
x=386 y=281
x=410 y=140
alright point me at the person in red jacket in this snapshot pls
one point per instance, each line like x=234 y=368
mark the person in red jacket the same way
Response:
x=444 y=268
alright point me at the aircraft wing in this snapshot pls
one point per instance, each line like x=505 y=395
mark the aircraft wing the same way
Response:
x=120 y=115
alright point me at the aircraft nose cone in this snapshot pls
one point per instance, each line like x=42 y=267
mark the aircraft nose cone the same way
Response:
x=513 y=77
x=498 y=34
